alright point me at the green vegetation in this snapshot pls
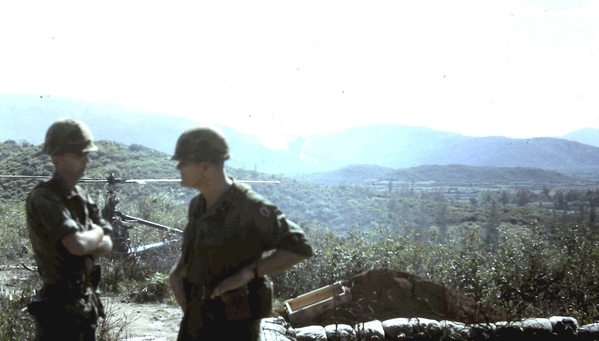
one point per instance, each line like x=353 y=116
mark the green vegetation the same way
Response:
x=527 y=252
x=15 y=324
x=406 y=207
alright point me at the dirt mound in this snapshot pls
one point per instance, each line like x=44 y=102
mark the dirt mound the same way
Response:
x=385 y=293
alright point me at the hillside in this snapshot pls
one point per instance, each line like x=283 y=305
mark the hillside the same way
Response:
x=304 y=202
x=339 y=207
x=441 y=175
x=588 y=136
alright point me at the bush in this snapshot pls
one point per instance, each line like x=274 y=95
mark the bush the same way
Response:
x=533 y=267
x=14 y=238
x=15 y=324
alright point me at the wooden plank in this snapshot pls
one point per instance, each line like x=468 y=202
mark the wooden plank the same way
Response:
x=319 y=308
x=314 y=296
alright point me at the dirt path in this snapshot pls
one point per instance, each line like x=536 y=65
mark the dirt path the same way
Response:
x=144 y=322
x=140 y=322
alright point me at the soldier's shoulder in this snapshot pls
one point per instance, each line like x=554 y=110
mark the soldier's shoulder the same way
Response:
x=44 y=186
x=194 y=203
x=257 y=206
x=42 y=192
x=251 y=196
x=51 y=185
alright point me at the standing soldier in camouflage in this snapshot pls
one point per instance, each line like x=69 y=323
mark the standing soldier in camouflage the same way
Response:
x=220 y=279
x=67 y=234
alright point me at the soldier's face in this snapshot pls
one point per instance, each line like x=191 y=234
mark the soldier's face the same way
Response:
x=71 y=164
x=192 y=173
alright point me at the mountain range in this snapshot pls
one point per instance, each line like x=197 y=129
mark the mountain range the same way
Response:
x=26 y=118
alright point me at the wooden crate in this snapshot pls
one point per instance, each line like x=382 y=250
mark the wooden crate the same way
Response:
x=315 y=303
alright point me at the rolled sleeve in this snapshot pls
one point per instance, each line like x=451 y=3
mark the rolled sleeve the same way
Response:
x=280 y=232
x=53 y=218
x=296 y=243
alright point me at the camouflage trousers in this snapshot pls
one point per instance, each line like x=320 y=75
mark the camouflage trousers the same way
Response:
x=66 y=317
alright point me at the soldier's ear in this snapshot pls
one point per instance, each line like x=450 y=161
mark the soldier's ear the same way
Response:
x=55 y=158
x=205 y=166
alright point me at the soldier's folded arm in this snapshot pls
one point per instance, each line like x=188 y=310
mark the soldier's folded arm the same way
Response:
x=104 y=248
x=91 y=242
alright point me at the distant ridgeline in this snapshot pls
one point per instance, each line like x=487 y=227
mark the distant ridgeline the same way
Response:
x=350 y=198
x=446 y=175
x=26 y=117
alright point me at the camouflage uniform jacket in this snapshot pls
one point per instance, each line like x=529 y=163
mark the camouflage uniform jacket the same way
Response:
x=54 y=211
x=233 y=233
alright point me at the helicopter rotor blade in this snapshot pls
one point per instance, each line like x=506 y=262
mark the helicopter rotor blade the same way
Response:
x=99 y=180
x=259 y=181
x=48 y=177
x=137 y=181
x=144 y=181
x=26 y=176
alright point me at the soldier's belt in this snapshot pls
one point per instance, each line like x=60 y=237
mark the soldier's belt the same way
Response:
x=196 y=291
x=232 y=305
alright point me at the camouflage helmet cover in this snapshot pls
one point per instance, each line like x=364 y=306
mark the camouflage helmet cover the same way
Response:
x=202 y=144
x=68 y=136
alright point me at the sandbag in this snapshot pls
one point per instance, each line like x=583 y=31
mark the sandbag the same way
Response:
x=311 y=333
x=340 y=332
x=370 y=331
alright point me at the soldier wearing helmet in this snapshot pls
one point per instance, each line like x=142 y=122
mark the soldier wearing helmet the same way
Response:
x=67 y=234
x=221 y=278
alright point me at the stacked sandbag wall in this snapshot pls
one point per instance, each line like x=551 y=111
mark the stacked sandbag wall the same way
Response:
x=401 y=329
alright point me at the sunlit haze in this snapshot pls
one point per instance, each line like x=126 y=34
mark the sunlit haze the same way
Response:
x=281 y=69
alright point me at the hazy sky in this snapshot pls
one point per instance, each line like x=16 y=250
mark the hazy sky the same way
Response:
x=510 y=68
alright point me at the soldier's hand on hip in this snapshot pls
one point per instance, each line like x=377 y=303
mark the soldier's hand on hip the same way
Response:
x=236 y=281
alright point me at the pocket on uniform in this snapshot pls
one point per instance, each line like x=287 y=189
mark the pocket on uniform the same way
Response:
x=40 y=307
x=237 y=304
x=261 y=296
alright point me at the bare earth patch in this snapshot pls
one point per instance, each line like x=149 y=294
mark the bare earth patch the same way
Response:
x=144 y=322
x=141 y=322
